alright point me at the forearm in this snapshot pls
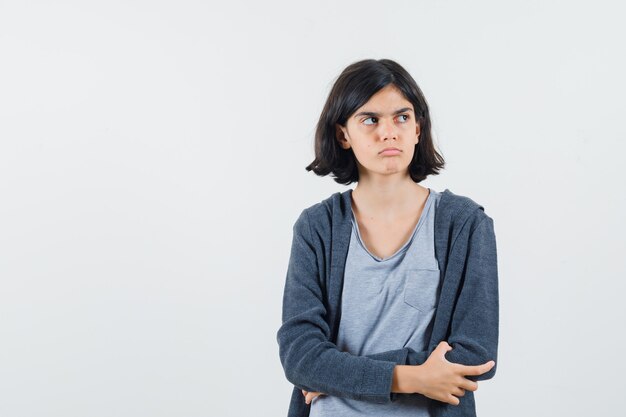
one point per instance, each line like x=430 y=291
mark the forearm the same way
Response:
x=404 y=356
x=323 y=368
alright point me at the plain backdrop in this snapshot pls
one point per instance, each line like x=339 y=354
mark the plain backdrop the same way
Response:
x=152 y=162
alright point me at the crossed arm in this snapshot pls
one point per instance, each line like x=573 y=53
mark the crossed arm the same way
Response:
x=315 y=364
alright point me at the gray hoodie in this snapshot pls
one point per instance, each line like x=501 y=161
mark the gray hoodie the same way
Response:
x=466 y=315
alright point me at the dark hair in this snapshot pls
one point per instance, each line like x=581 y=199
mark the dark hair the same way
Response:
x=352 y=89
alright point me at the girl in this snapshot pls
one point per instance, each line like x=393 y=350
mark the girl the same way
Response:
x=390 y=305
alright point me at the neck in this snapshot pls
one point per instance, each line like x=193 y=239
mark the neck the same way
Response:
x=389 y=196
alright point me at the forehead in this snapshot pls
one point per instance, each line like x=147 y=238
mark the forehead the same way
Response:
x=386 y=98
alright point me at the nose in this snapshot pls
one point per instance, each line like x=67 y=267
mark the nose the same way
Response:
x=387 y=129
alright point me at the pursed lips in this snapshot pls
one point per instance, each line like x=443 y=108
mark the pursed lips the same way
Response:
x=391 y=150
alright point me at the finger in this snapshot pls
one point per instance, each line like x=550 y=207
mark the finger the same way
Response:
x=304 y=393
x=441 y=349
x=453 y=400
x=477 y=369
x=312 y=395
x=468 y=384
x=459 y=392
x=444 y=345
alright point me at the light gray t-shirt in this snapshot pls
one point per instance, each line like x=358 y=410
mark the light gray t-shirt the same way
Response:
x=387 y=304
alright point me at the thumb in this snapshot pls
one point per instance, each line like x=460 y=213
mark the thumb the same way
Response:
x=444 y=346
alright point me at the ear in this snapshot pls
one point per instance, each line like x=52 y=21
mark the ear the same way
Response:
x=341 y=133
x=417 y=133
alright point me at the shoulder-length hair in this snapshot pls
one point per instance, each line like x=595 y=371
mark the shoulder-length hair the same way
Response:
x=353 y=88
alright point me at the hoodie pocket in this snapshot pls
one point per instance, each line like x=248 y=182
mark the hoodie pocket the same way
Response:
x=421 y=288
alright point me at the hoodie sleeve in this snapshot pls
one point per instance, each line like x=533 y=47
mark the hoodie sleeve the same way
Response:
x=404 y=356
x=309 y=359
x=474 y=326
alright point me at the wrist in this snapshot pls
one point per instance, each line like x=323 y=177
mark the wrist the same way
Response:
x=407 y=379
x=400 y=380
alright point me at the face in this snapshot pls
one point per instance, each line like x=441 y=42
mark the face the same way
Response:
x=387 y=120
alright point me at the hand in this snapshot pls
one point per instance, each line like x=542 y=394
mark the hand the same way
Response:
x=310 y=395
x=444 y=381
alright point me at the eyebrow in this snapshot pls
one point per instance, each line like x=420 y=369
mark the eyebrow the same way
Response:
x=374 y=114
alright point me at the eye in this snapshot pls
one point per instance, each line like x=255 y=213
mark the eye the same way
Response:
x=369 y=118
x=404 y=115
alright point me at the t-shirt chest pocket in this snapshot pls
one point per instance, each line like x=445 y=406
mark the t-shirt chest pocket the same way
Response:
x=421 y=288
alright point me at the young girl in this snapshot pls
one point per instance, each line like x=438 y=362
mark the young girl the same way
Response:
x=390 y=305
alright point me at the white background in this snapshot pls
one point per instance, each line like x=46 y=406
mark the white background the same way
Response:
x=152 y=162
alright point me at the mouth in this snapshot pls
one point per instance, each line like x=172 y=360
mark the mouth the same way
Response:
x=390 y=151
